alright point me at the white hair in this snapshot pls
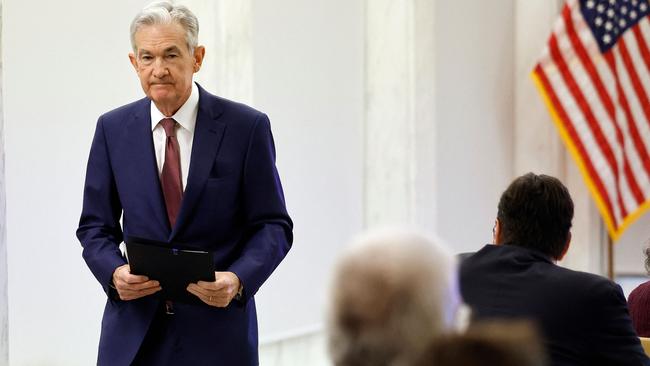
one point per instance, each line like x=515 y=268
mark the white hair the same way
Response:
x=165 y=12
x=393 y=292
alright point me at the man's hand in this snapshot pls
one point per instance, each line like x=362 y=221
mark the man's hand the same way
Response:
x=131 y=287
x=218 y=293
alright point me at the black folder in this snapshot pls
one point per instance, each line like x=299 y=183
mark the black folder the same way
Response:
x=174 y=266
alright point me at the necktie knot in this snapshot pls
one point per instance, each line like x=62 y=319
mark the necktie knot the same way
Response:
x=169 y=124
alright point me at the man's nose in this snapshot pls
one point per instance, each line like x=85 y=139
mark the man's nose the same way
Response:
x=160 y=69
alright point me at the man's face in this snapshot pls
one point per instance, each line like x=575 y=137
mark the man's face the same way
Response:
x=164 y=65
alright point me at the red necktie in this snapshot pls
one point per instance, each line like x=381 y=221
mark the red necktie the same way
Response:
x=171 y=173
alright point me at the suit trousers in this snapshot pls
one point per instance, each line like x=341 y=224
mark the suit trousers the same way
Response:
x=162 y=345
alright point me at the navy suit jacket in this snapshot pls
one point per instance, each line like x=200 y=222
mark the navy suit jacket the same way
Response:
x=583 y=317
x=233 y=206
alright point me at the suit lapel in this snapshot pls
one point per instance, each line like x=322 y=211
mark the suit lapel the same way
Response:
x=208 y=134
x=140 y=140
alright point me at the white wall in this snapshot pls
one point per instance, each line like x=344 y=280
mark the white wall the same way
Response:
x=4 y=314
x=629 y=251
x=308 y=76
x=474 y=116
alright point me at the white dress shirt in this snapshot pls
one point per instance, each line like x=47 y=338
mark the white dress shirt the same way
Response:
x=186 y=118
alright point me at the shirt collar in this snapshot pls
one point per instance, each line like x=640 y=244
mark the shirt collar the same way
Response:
x=186 y=114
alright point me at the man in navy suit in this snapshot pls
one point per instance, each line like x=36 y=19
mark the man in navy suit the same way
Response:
x=181 y=165
x=583 y=317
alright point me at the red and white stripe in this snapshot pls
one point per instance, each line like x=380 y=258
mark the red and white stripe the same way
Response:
x=603 y=103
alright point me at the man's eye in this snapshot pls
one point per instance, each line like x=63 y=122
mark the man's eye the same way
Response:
x=172 y=55
x=147 y=58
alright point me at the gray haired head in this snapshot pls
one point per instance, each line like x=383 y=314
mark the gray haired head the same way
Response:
x=393 y=291
x=165 y=12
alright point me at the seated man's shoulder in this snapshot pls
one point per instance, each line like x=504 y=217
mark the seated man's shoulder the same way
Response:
x=584 y=277
x=587 y=284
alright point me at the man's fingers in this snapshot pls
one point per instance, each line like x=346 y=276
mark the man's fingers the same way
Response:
x=209 y=289
x=199 y=290
x=207 y=294
x=131 y=278
x=221 y=300
x=127 y=294
x=216 y=285
x=123 y=273
x=131 y=287
x=150 y=291
x=137 y=286
x=218 y=293
x=140 y=293
x=192 y=289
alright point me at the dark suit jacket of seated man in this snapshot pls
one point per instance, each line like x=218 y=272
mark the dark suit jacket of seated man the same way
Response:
x=227 y=200
x=583 y=317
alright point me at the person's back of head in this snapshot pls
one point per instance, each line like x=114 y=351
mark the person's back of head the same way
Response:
x=639 y=301
x=392 y=293
x=535 y=211
x=494 y=343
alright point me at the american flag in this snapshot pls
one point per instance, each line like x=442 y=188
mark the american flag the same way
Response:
x=594 y=76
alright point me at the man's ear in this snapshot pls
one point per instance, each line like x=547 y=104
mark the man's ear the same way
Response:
x=566 y=247
x=134 y=61
x=496 y=232
x=199 y=54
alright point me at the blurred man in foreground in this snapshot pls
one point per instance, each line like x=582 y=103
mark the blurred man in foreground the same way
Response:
x=393 y=293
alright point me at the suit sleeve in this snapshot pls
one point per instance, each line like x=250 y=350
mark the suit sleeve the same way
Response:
x=268 y=225
x=99 y=229
x=615 y=341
